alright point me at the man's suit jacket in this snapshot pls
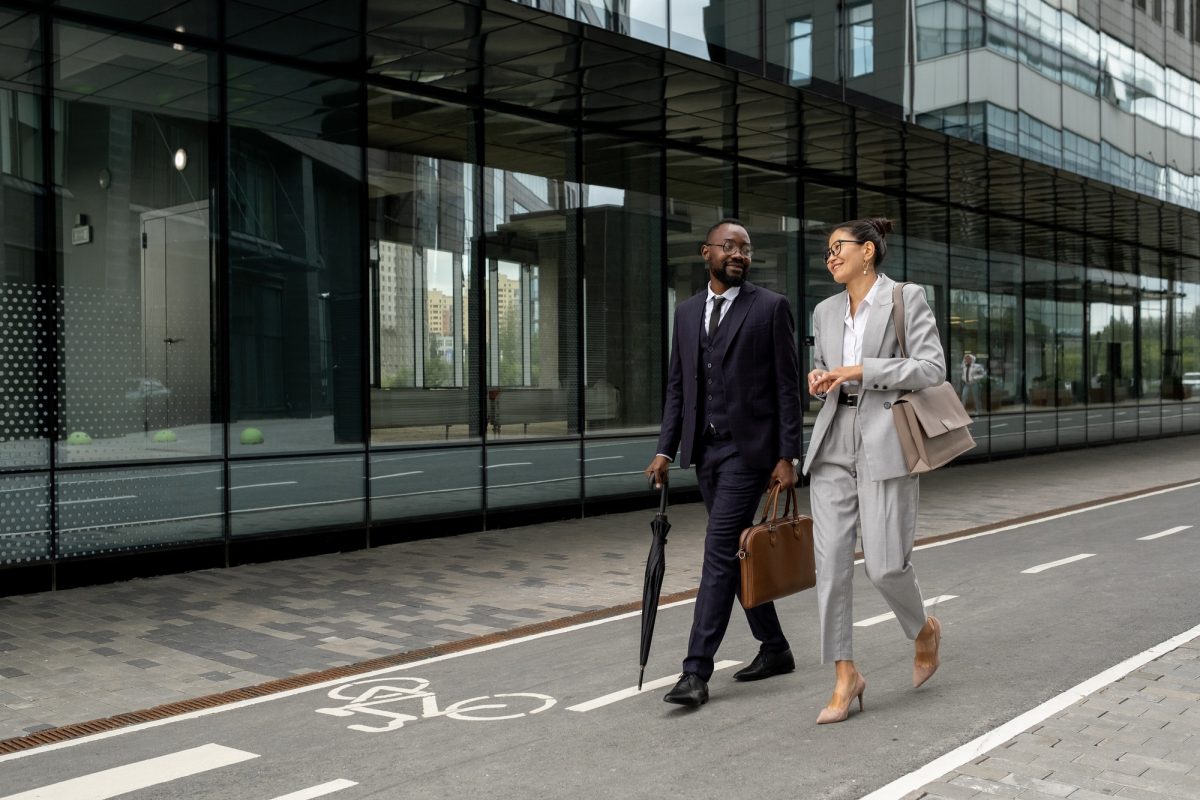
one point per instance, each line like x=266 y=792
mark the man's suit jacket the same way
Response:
x=885 y=374
x=762 y=378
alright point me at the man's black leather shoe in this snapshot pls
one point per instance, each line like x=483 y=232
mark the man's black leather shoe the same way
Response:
x=766 y=664
x=691 y=691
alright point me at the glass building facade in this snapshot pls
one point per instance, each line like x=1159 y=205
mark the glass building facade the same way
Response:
x=295 y=276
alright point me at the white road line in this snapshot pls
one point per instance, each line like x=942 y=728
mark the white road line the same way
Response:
x=603 y=458
x=398 y=475
x=998 y=736
x=1053 y=564
x=318 y=791
x=513 y=464
x=92 y=500
x=138 y=775
x=632 y=691
x=941 y=598
x=1161 y=534
x=260 y=485
x=530 y=638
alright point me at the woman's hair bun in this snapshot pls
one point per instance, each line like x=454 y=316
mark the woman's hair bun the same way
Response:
x=881 y=224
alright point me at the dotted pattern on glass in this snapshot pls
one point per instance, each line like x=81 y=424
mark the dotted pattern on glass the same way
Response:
x=128 y=510
x=24 y=424
x=24 y=519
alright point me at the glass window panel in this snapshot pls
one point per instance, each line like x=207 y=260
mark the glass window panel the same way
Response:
x=1042 y=389
x=410 y=484
x=24 y=519
x=726 y=32
x=295 y=494
x=1188 y=322
x=295 y=261
x=316 y=30
x=1005 y=345
x=185 y=16
x=535 y=473
x=622 y=273
x=698 y=196
x=861 y=36
x=1151 y=358
x=422 y=231
x=967 y=358
x=1069 y=318
x=531 y=287
x=126 y=510
x=137 y=343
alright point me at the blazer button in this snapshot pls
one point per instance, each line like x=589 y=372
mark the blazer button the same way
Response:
x=885 y=388
x=876 y=385
x=893 y=355
x=887 y=405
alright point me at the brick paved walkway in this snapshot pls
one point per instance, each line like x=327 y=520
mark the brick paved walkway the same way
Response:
x=1138 y=738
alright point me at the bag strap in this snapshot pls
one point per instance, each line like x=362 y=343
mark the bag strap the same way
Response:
x=898 y=315
x=791 y=505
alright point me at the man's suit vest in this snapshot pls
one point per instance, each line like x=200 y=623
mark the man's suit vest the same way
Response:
x=711 y=406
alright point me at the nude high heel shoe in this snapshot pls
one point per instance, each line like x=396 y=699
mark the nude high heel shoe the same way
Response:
x=923 y=672
x=833 y=713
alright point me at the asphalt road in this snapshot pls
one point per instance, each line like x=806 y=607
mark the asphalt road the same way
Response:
x=1034 y=610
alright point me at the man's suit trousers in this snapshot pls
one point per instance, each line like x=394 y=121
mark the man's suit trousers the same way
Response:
x=732 y=492
x=841 y=497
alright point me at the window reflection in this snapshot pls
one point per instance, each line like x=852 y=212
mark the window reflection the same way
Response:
x=860 y=21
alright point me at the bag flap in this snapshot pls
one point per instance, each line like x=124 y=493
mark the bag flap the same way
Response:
x=938 y=409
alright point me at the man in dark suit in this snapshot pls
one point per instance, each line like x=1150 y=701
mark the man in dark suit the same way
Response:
x=733 y=409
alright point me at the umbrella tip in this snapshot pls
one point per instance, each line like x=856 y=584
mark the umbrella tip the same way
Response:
x=641 y=673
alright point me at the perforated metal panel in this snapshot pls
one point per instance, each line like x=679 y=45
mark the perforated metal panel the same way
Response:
x=23 y=360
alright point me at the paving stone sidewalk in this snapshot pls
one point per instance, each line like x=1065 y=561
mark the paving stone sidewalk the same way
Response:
x=1137 y=738
x=92 y=652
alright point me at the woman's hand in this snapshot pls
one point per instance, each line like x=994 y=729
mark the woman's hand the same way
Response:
x=814 y=379
x=834 y=378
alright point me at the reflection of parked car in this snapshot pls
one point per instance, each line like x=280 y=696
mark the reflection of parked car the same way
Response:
x=140 y=389
x=1191 y=384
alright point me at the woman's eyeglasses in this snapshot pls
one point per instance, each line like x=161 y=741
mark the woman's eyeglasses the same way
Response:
x=836 y=250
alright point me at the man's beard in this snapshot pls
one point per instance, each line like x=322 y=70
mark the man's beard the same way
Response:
x=724 y=277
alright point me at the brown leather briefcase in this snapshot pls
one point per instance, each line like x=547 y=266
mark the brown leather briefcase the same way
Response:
x=776 y=555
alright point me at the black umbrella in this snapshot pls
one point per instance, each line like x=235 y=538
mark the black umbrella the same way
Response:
x=656 y=567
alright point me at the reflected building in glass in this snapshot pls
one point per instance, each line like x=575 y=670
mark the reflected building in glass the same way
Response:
x=318 y=276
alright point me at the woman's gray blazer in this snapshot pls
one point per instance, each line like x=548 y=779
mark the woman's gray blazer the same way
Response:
x=885 y=374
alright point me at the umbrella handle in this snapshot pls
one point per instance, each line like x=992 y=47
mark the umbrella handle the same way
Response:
x=662 y=500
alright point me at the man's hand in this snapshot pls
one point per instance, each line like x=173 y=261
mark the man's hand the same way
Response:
x=784 y=473
x=834 y=378
x=657 y=471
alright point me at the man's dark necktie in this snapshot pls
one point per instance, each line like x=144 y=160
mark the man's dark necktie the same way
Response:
x=715 y=317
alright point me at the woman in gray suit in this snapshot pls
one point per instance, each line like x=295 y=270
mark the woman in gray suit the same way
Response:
x=854 y=459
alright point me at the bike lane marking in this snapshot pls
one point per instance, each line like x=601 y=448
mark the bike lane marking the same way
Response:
x=1053 y=564
x=1160 y=534
x=138 y=775
x=932 y=601
x=632 y=691
x=318 y=791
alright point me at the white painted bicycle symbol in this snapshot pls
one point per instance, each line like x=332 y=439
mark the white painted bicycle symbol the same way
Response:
x=367 y=697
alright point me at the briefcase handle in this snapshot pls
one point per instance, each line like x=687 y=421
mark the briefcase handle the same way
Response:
x=790 y=506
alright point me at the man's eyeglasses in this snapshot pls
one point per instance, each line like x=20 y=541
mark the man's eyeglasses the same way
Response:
x=836 y=250
x=729 y=248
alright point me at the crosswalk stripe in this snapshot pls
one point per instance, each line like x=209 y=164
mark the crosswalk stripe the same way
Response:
x=318 y=791
x=138 y=775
